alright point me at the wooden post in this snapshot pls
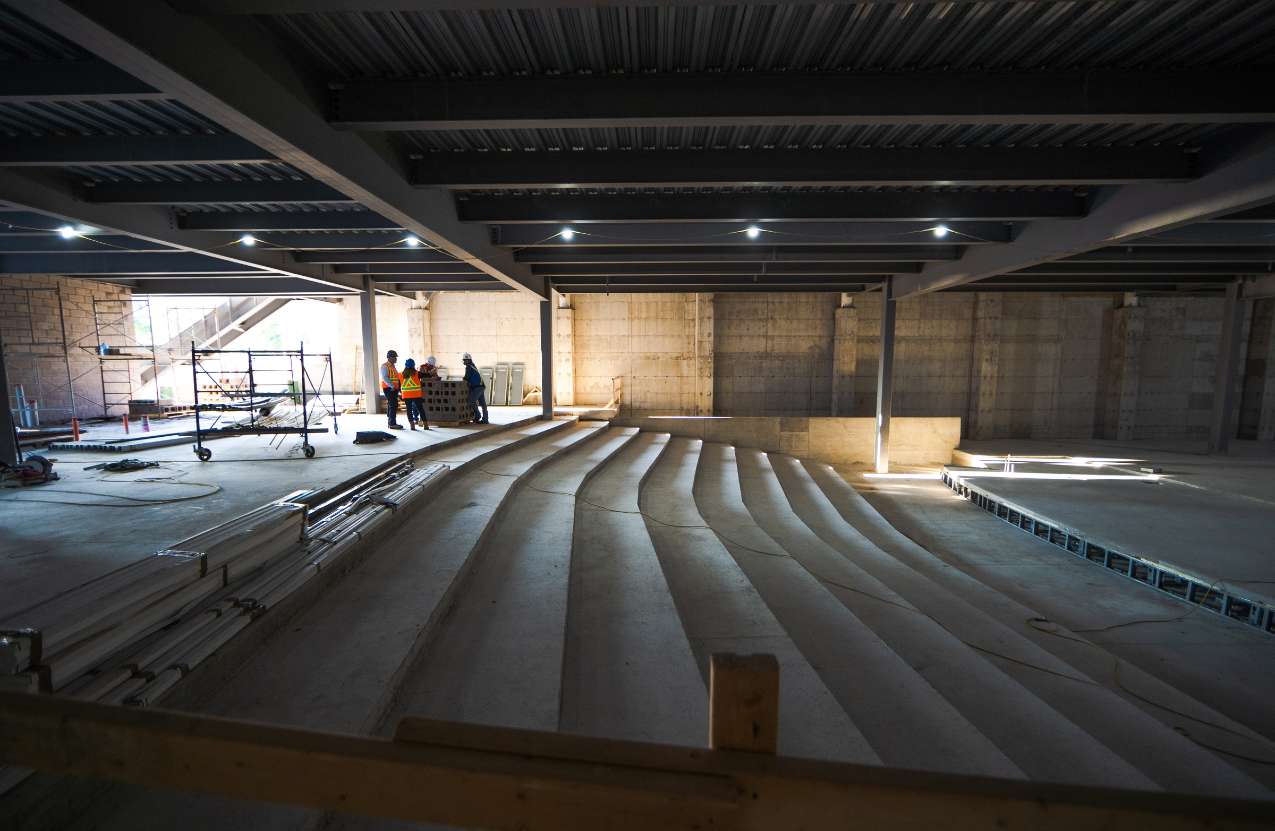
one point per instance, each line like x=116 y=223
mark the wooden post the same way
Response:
x=743 y=703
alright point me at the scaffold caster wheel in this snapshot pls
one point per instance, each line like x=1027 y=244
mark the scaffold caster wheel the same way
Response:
x=308 y=449
x=203 y=453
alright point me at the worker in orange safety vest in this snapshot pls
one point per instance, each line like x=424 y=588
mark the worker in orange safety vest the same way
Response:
x=391 y=383
x=413 y=395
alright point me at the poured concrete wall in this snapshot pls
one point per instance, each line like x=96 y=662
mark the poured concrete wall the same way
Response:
x=1026 y=365
x=773 y=353
x=913 y=441
x=646 y=344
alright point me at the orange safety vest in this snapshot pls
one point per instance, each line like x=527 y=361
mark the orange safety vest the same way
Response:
x=393 y=373
x=412 y=385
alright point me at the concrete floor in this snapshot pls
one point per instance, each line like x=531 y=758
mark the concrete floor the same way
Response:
x=574 y=577
x=54 y=537
x=1212 y=516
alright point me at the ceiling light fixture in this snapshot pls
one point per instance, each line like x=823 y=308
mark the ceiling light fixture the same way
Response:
x=67 y=232
x=248 y=239
x=567 y=234
x=940 y=231
x=752 y=231
x=412 y=241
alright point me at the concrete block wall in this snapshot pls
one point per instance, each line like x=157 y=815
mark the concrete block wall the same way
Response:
x=564 y=384
x=1009 y=365
x=398 y=327
x=32 y=337
x=494 y=328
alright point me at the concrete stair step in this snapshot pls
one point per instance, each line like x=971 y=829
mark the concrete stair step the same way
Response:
x=1044 y=744
x=1134 y=714
x=628 y=671
x=722 y=612
x=497 y=655
x=907 y=722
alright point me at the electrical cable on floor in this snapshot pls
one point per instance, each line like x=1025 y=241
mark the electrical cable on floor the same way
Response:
x=1115 y=677
x=127 y=501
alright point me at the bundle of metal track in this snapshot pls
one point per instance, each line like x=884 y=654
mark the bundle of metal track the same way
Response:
x=131 y=635
x=1200 y=591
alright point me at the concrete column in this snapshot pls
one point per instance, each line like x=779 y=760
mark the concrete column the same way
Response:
x=8 y=434
x=564 y=382
x=1266 y=404
x=989 y=308
x=1121 y=404
x=1228 y=356
x=885 y=378
x=845 y=355
x=371 y=355
x=547 y=310
x=420 y=341
x=704 y=323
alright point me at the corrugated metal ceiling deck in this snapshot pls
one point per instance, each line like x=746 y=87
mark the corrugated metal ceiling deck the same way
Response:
x=813 y=137
x=220 y=172
x=862 y=37
x=101 y=118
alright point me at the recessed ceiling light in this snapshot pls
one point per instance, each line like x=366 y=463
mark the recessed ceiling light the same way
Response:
x=567 y=234
x=940 y=231
x=412 y=241
x=248 y=239
x=752 y=231
x=66 y=232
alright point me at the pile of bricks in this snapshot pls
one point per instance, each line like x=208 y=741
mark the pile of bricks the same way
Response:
x=447 y=401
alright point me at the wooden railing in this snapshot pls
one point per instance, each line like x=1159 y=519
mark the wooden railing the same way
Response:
x=486 y=777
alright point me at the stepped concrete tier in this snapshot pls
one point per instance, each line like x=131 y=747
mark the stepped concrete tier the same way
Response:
x=1024 y=639
x=1042 y=742
x=907 y=722
x=577 y=577
x=722 y=612
x=629 y=672
x=497 y=656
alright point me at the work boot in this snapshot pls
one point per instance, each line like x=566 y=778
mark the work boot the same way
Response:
x=396 y=426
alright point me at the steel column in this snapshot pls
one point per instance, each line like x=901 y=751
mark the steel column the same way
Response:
x=8 y=436
x=885 y=379
x=547 y=309
x=1228 y=356
x=371 y=355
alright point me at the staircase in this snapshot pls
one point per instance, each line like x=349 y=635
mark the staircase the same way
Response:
x=576 y=577
x=220 y=327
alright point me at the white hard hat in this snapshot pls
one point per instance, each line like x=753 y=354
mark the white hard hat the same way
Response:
x=432 y=361
x=467 y=357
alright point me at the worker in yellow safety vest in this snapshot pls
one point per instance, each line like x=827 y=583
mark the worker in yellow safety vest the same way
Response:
x=413 y=395
x=391 y=383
